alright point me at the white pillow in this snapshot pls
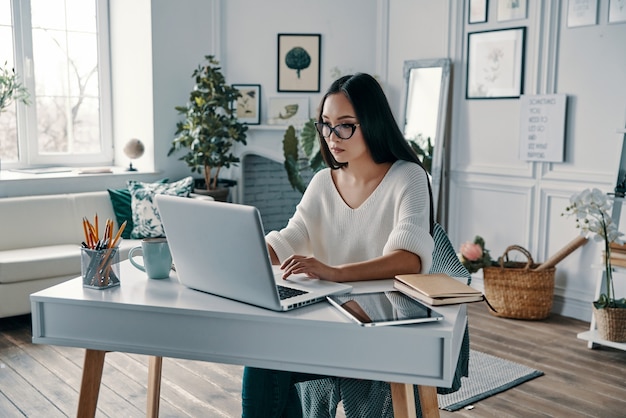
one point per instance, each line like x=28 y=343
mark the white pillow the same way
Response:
x=146 y=219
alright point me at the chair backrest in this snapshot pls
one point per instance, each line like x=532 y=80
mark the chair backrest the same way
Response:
x=445 y=259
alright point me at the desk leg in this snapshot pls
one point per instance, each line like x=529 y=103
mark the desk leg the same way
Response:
x=90 y=384
x=404 y=401
x=428 y=400
x=154 y=386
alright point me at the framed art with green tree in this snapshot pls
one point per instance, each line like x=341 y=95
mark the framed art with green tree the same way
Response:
x=299 y=57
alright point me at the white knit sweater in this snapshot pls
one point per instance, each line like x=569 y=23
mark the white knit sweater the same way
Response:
x=395 y=216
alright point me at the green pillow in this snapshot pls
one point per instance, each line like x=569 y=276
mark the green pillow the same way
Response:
x=120 y=199
x=146 y=219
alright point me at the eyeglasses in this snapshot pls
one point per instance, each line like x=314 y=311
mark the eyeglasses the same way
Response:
x=343 y=130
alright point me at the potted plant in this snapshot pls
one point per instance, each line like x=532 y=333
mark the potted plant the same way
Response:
x=423 y=147
x=591 y=209
x=302 y=154
x=474 y=256
x=11 y=89
x=210 y=127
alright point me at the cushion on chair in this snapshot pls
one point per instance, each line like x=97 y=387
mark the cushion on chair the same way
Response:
x=365 y=398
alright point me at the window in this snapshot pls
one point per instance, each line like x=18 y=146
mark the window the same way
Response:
x=60 y=51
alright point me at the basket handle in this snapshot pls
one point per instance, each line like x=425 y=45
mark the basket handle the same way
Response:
x=521 y=250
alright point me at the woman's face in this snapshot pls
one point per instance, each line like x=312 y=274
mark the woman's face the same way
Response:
x=338 y=110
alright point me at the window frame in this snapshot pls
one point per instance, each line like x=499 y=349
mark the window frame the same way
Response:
x=28 y=153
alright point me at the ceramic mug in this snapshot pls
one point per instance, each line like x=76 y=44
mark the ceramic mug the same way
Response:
x=157 y=259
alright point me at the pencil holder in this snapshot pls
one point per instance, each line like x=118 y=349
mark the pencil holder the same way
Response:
x=100 y=268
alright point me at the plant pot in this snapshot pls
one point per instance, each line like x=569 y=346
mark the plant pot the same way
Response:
x=611 y=323
x=220 y=194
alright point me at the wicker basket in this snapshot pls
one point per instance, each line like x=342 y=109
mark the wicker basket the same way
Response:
x=611 y=323
x=516 y=291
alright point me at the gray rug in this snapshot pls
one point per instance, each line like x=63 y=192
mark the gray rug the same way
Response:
x=488 y=375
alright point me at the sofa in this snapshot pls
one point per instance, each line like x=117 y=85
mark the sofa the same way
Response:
x=40 y=239
x=40 y=242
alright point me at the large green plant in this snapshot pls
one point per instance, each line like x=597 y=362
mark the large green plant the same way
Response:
x=11 y=89
x=210 y=127
x=302 y=152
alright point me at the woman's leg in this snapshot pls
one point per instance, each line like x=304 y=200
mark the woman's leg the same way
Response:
x=271 y=393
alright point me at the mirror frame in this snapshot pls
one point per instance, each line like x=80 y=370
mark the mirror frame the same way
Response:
x=438 y=163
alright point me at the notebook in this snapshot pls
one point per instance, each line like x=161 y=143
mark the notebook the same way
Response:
x=220 y=248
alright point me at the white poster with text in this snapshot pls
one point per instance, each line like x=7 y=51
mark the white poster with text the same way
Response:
x=542 y=135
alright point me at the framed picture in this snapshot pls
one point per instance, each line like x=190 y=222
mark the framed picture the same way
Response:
x=617 y=11
x=495 y=64
x=582 y=13
x=288 y=111
x=477 y=11
x=511 y=10
x=248 y=106
x=299 y=62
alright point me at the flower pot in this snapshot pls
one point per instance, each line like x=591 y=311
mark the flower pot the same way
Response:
x=611 y=323
x=220 y=194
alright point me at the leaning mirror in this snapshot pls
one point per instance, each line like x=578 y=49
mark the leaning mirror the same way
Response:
x=426 y=84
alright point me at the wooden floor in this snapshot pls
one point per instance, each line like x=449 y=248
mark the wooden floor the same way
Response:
x=38 y=381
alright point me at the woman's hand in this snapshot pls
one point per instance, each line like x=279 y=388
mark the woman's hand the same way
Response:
x=309 y=266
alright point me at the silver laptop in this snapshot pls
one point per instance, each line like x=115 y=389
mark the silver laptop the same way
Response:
x=220 y=248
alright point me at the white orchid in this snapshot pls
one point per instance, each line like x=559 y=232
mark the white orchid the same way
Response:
x=591 y=208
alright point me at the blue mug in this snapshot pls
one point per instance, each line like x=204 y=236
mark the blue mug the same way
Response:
x=157 y=259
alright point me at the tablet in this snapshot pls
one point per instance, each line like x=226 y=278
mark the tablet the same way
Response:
x=383 y=308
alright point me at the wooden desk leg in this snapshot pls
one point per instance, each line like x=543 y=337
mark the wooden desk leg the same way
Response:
x=90 y=384
x=404 y=401
x=155 y=366
x=428 y=400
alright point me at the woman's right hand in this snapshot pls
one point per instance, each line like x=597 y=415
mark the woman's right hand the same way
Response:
x=309 y=266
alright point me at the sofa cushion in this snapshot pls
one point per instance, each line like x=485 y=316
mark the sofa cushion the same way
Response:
x=121 y=201
x=146 y=220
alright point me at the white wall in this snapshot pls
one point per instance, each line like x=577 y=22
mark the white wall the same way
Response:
x=508 y=201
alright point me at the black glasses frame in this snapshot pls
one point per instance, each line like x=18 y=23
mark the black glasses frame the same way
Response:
x=320 y=126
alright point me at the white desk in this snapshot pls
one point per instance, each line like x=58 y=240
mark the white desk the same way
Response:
x=165 y=319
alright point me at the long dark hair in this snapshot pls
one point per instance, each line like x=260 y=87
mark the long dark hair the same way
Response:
x=378 y=126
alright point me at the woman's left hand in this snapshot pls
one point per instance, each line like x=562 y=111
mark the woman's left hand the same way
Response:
x=309 y=266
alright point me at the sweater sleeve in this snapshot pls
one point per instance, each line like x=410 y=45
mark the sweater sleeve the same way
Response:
x=294 y=238
x=412 y=229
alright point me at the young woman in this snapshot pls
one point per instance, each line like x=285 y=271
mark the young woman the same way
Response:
x=368 y=216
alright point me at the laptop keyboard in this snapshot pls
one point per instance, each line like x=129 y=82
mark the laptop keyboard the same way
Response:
x=289 y=292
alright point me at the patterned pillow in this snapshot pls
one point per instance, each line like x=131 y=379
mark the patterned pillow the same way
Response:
x=120 y=199
x=146 y=220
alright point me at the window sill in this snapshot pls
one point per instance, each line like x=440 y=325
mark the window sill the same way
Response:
x=16 y=183
x=66 y=172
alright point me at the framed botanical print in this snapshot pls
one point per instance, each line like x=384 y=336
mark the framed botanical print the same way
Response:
x=477 y=11
x=288 y=110
x=495 y=64
x=248 y=106
x=511 y=10
x=299 y=62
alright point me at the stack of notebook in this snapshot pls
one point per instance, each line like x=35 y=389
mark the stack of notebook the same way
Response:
x=436 y=289
x=618 y=254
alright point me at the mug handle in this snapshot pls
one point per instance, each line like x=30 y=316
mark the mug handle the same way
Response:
x=133 y=262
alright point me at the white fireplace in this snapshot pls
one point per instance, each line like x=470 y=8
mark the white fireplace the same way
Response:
x=261 y=176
